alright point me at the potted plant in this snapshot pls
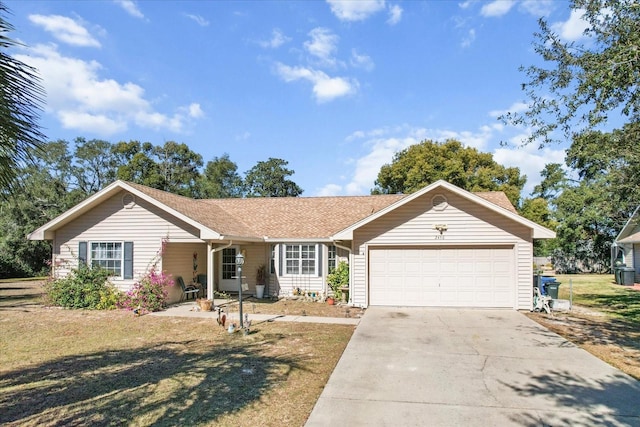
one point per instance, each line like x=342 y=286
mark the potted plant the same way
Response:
x=261 y=279
x=338 y=280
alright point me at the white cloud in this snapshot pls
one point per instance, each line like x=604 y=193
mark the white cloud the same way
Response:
x=516 y=107
x=65 y=30
x=323 y=45
x=538 y=8
x=329 y=190
x=277 y=39
x=361 y=61
x=573 y=28
x=195 y=111
x=469 y=39
x=360 y=10
x=497 y=8
x=529 y=160
x=380 y=145
x=81 y=99
x=87 y=122
x=325 y=88
x=198 y=19
x=395 y=14
x=131 y=8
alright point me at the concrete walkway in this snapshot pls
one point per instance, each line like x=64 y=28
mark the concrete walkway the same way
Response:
x=190 y=309
x=451 y=367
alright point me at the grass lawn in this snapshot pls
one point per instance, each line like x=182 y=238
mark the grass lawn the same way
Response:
x=71 y=367
x=605 y=319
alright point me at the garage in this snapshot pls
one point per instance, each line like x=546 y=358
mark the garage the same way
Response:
x=478 y=276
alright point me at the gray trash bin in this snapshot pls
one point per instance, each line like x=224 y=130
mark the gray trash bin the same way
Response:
x=627 y=276
x=552 y=289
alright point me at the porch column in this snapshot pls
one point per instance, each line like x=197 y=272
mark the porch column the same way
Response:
x=210 y=271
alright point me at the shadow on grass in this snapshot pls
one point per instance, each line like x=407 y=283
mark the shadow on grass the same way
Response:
x=625 y=305
x=183 y=383
x=574 y=400
x=19 y=294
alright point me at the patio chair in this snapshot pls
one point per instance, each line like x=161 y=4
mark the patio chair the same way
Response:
x=187 y=289
x=202 y=280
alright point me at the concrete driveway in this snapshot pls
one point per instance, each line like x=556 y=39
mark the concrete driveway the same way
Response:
x=449 y=367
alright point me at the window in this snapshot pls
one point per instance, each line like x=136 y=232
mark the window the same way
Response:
x=107 y=255
x=228 y=263
x=331 y=259
x=300 y=259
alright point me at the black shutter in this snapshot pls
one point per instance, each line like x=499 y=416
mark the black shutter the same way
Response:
x=281 y=248
x=320 y=249
x=128 y=260
x=82 y=253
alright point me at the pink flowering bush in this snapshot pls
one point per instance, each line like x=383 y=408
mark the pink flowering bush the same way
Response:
x=149 y=293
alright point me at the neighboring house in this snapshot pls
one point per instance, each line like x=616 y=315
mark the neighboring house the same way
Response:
x=626 y=247
x=440 y=246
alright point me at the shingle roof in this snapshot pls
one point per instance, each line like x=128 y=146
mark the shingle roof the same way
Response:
x=286 y=217
x=497 y=198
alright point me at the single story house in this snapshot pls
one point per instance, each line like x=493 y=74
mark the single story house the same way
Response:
x=626 y=247
x=440 y=246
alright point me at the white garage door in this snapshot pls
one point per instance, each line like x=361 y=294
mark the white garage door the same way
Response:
x=442 y=277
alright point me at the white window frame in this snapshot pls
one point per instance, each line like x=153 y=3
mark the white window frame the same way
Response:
x=91 y=258
x=332 y=250
x=300 y=259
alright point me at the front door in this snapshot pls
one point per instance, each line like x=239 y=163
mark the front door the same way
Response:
x=228 y=270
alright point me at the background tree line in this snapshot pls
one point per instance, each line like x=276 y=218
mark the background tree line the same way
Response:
x=57 y=177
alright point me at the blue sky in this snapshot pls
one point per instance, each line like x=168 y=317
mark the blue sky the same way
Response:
x=335 y=88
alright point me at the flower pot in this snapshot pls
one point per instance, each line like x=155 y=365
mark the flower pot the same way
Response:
x=331 y=301
x=205 y=304
x=259 y=291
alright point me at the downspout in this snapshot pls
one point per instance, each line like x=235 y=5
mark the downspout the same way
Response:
x=211 y=269
x=337 y=245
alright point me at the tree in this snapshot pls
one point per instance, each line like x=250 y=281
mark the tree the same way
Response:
x=46 y=191
x=585 y=81
x=179 y=168
x=95 y=165
x=171 y=167
x=135 y=163
x=269 y=179
x=426 y=162
x=21 y=97
x=220 y=179
x=591 y=211
x=554 y=179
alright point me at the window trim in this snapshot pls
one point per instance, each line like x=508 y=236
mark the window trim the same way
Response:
x=316 y=259
x=90 y=258
x=330 y=249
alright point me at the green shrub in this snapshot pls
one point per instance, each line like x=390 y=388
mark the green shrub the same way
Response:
x=84 y=287
x=339 y=278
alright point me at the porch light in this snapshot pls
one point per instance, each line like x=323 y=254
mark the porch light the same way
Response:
x=239 y=259
x=239 y=263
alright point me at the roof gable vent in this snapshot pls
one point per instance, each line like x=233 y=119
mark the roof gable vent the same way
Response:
x=128 y=200
x=439 y=202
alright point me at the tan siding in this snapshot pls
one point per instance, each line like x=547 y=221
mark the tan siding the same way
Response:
x=467 y=224
x=359 y=278
x=524 y=269
x=143 y=224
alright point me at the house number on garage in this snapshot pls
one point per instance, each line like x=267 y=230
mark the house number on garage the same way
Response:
x=441 y=228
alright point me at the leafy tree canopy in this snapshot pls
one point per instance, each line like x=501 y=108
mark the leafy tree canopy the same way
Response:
x=221 y=180
x=583 y=82
x=424 y=163
x=269 y=179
